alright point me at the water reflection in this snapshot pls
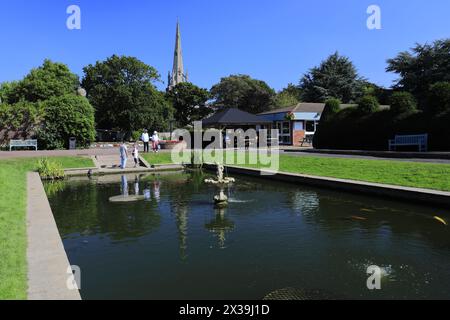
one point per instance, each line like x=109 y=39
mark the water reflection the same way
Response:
x=283 y=235
x=220 y=226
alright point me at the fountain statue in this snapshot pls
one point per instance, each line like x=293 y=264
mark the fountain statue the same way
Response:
x=221 y=200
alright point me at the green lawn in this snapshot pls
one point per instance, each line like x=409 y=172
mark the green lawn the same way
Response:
x=158 y=158
x=401 y=173
x=13 y=243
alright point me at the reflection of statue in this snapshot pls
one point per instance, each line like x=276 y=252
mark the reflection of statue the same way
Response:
x=221 y=200
x=220 y=226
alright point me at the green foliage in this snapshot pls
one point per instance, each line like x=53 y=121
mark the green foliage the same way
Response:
x=332 y=107
x=368 y=104
x=403 y=102
x=336 y=77
x=383 y=95
x=421 y=68
x=65 y=117
x=7 y=91
x=439 y=98
x=189 y=102
x=50 y=170
x=243 y=92
x=19 y=120
x=49 y=80
x=288 y=97
x=123 y=95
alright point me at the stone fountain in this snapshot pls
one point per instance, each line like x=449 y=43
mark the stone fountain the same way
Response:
x=221 y=200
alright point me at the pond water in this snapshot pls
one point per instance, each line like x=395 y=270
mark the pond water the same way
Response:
x=175 y=245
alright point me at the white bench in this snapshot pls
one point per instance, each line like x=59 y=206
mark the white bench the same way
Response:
x=420 y=140
x=23 y=144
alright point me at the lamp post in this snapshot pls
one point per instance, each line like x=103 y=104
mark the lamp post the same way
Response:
x=171 y=124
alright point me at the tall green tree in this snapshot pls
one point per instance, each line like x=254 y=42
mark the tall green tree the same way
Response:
x=123 y=93
x=65 y=117
x=289 y=96
x=422 y=67
x=189 y=102
x=243 y=92
x=42 y=83
x=336 y=77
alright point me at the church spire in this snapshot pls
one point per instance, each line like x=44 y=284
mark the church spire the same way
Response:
x=178 y=75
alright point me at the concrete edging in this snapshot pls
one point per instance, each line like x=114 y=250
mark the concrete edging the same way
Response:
x=418 y=195
x=48 y=264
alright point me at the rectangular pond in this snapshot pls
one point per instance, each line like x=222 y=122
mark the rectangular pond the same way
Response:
x=274 y=240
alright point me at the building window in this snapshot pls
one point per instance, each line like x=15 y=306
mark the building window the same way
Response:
x=284 y=128
x=310 y=126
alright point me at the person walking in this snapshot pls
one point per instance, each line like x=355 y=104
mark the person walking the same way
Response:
x=155 y=140
x=123 y=155
x=146 y=139
x=136 y=155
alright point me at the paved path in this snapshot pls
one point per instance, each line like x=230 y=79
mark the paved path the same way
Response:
x=48 y=264
x=114 y=153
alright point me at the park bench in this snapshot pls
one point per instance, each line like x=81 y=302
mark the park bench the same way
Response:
x=308 y=139
x=23 y=144
x=420 y=140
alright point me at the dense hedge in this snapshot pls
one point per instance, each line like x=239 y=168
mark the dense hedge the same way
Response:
x=349 y=129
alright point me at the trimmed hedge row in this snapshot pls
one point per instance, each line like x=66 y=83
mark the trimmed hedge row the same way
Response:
x=350 y=129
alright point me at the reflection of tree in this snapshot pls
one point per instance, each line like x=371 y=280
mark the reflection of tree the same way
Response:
x=180 y=192
x=220 y=226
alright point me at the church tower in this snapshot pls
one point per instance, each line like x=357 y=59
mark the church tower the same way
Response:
x=178 y=75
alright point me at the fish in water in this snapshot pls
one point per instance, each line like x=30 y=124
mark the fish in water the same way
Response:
x=368 y=210
x=355 y=218
x=441 y=220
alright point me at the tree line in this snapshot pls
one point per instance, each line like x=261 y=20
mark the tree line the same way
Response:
x=120 y=93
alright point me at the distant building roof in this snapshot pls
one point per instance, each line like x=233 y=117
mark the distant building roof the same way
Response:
x=309 y=107
x=233 y=116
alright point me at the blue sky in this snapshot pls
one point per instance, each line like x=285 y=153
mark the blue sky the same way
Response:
x=276 y=41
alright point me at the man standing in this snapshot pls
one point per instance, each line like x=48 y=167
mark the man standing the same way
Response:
x=123 y=155
x=146 y=139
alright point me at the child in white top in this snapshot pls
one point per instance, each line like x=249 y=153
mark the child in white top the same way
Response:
x=136 y=155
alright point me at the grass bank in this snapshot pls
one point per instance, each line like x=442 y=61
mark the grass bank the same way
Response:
x=13 y=241
x=400 y=173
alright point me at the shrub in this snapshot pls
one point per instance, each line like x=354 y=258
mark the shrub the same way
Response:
x=65 y=117
x=403 y=102
x=50 y=170
x=439 y=98
x=368 y=104
x=332 y=106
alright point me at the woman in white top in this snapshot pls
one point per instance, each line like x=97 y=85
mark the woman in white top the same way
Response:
x=155 y=140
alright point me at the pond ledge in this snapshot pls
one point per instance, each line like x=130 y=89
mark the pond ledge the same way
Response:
x=417 y=195
x=48 y=264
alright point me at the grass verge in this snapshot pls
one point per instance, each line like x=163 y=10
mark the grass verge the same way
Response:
x=13 y=241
